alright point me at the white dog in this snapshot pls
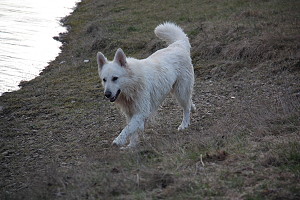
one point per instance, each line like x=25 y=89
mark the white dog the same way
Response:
x=138 y=87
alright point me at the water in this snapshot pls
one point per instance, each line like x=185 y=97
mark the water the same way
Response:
x=27 y=28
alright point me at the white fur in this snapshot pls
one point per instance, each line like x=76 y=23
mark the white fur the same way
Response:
x=138 y=87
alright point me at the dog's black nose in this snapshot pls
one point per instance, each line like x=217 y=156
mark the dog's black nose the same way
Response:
x=107 y=94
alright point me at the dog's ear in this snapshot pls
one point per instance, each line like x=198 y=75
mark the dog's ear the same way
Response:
x=120 y=58
x=101 y=60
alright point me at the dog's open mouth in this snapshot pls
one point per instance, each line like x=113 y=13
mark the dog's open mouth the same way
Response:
x=112 y=99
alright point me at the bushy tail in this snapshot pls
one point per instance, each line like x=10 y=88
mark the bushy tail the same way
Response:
x=170 y=33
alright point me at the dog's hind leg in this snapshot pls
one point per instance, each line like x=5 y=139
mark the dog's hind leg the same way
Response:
x=184 y=98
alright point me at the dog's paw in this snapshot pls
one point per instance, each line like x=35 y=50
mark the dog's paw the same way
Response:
x=133 y=145
x=119 y=141
x=193 y=108
x=182 y=127
x=128 y=148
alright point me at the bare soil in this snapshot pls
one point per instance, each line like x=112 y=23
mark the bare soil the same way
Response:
x=243 y=143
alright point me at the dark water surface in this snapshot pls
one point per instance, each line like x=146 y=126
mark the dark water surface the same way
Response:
x=27 y=28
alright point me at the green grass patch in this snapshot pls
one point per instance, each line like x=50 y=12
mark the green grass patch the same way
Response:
x=290 y=155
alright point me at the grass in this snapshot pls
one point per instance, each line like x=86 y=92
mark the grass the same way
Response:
x=243 y=143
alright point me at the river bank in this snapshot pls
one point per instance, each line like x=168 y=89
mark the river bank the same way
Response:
x=56 y=131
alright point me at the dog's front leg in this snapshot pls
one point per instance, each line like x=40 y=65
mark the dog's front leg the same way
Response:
x=135 y=124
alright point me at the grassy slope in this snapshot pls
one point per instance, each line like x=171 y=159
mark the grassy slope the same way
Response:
x=244 y=139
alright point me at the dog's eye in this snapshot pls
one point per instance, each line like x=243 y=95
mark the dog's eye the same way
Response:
x=104 y=80
x=114 y=78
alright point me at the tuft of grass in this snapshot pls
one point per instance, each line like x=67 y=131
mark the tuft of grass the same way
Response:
x=287 y=157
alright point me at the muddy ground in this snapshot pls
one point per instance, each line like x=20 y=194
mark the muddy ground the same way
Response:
x=243 y=143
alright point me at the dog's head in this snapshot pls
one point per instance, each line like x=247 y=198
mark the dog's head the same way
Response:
x=112 y=73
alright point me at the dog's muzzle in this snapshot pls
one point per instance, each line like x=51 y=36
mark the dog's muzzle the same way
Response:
x=111 y=98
